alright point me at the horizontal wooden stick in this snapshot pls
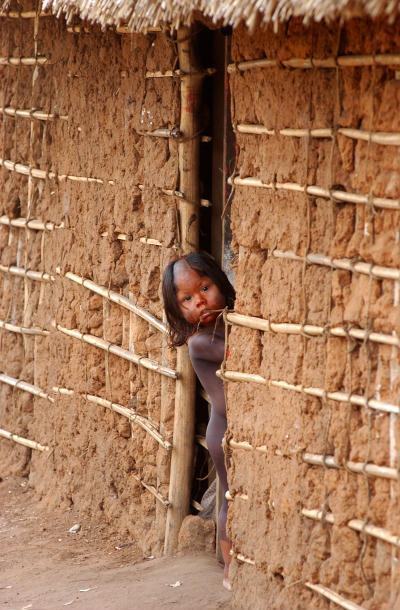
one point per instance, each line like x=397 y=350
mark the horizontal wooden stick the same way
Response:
x=153 y=491
x=24 y=14
x=246 y=446
x=230 y=496
x=22 y=441
x=180 y=73
x=205 y=396
x=40 y=276
x=111 y=348
x=169 y=192
x=355 y=524
x=62 y=391
x=23 y=61
x=239 y=376
x=115 y=297
x=354 y=399
x=25 y=386
x=343 y=61
x=85 y=29
x=316 y=459
x=197 y=505
x=23 y=330
x=174 y=134
x=30 y=223
x=333 y=597
x=124 y=29
x=150 y=241
x=134 y=417
x=201 y=440
x=317 y=191
x=242 y=558
x=39 y=115
x=376 y=271
x=41 y=174
x=378 y=137
x=79 y=29
x=382 y=137
x=311 y=330
x=205 y=203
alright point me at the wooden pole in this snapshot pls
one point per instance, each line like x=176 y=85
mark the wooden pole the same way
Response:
x=184 y=419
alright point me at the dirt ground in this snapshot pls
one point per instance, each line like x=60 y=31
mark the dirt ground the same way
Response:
x=44 y=567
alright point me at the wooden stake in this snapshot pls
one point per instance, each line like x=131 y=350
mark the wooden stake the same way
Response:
x=333 y=597
x=22 y=441
x=184 y=419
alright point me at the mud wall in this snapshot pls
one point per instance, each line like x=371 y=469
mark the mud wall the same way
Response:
x=277 y=548
x=98 y=80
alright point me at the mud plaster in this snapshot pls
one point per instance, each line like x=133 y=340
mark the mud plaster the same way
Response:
x=98 y=80
x=289 y=549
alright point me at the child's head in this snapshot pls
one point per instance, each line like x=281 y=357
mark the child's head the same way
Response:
x=194 y=286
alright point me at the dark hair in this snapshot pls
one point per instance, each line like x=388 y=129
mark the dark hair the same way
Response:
x=179 y=329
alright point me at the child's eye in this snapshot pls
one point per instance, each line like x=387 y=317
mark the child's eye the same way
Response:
x=205 y=288
x=187 y=298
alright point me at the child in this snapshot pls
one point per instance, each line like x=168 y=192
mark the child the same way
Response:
x=195 y=290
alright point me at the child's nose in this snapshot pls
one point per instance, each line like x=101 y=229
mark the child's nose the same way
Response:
x=200 y=300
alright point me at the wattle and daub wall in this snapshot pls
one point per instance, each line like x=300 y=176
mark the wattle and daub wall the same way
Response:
x=99 y=82
x=280 y=549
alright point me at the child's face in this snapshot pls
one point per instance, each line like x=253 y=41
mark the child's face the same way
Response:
x=197 y=295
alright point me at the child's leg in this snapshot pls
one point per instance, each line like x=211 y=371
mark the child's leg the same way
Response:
x=215 y=433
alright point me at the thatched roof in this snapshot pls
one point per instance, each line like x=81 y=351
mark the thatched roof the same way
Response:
x=143 y=14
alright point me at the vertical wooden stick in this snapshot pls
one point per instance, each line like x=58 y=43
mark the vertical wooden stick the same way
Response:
x=184 y=419
x=393 y=429
x=106 y=315
x=166 y=413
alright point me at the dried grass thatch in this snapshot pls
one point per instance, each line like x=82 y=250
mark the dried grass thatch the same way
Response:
x=140 y=15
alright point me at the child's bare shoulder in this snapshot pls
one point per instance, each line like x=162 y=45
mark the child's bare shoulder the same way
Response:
x=203 y=344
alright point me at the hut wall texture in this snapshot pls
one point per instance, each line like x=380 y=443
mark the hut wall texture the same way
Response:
x=288 y=549
x=99 y=81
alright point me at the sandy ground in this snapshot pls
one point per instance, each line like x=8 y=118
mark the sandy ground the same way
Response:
x=43 y=567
